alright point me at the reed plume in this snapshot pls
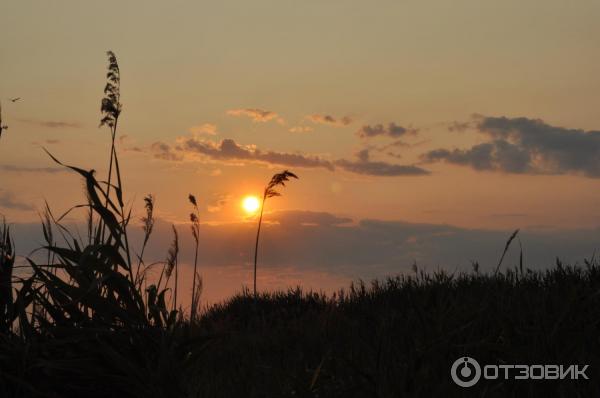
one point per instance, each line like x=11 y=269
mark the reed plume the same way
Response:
x=147 y=227
x=172 y=262
x=506 y=246
x=269 y=192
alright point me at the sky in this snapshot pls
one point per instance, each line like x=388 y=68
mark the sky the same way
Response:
x=422 y=131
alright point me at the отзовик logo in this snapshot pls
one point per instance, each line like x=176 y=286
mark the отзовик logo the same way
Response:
x=465 y=372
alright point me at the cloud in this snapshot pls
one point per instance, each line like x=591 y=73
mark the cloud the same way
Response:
x=329 y=120
x=228 y=149
x=363 y=155
x=301 y=129
x=458 y=127
x=218 y=202
x=522 y=145
x=51 y=123
x=161 y=150
x=396 y=144
x=365 y=248
x=127 y=144
x=204 y=129
x=25 y=169
x=9 y=201
x=379 y=168
x=497 y=155
x=391 y=130
x=257 y=115
x=306 y=218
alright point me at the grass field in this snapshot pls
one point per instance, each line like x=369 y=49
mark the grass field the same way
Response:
x=394 y=338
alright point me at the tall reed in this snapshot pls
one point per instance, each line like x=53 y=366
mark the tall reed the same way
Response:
x=111 y=108
x=196 y=284
x=269 y=192
x=7 y=262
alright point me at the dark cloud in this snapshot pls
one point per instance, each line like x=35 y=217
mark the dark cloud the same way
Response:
x=228 y=149
x=379 y=168
x=392 y=148
x=363 y=155
x=329 y=120
x=394 y=155
x=363 y=249
x=522 y=145
x=164 y=151
x=458 y=127
x=397 y=144
x=257 y=115
x=306 y=218
x=9 y=201
x=52 y=123
x=391 y=130
x=495 y=155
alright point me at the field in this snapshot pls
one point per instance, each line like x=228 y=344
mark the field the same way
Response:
x=394 y=338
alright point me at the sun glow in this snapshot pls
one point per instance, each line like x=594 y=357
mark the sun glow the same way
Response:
x=250 y=204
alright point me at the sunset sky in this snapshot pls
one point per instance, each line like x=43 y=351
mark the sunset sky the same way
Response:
x=421 y=131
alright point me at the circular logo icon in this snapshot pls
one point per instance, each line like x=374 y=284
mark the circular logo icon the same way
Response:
x=465 y=372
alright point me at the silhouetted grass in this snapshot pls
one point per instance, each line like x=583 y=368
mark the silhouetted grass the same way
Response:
x=393 y=338
x=270 y=191
x=400 y=337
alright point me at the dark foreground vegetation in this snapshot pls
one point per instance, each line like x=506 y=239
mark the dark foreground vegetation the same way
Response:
x=83 y=318
x=395 y=338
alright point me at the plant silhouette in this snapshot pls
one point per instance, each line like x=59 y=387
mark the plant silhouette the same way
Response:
x=7 y=262
x=197 y=281
x=277 y=180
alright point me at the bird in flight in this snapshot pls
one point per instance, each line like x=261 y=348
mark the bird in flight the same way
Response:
x=15 y=99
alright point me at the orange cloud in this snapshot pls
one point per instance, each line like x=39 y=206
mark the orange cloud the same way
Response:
x=206 y=129
x=329 y=120
x=301 y=129
x=256 y=114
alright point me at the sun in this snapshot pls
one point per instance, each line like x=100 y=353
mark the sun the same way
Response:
x=251 y=204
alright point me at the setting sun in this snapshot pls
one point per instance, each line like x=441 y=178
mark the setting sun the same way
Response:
x=251 y=204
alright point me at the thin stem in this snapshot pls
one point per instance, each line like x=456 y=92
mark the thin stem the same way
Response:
x=262 y=207
x=192 y=315
x=175 y=292
x=113 y=133
x=141 y=261
x=112 y=154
